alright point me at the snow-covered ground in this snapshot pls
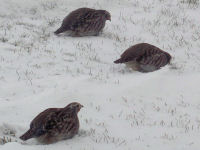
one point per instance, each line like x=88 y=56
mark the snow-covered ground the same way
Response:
x=124 y=110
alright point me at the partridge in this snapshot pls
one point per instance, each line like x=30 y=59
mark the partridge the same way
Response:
x=84 y=22
x=144 y=57
x=54 y=124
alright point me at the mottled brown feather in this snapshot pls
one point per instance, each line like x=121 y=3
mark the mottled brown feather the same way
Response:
x=145 y=57
x=54 y=124
x=84 y=22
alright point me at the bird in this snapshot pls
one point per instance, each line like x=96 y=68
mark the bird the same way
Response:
x=84 y=22
x=144 y=57
x=54 y=124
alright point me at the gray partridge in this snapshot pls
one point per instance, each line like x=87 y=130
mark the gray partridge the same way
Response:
x=54 y=124
x=144 y=57
x=84 y=22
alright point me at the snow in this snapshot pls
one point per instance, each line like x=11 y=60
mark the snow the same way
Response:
x=123 y=109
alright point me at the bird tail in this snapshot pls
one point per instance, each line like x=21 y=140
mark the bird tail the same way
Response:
x=60 y=30
x=27 y=135
x=118 y=61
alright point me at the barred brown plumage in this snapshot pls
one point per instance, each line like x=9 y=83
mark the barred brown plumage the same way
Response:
x=54 y=124
x=144 y=57
x=84 y=22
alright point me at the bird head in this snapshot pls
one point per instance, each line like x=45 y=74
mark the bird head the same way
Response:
x=75 y=105
x=106 y=14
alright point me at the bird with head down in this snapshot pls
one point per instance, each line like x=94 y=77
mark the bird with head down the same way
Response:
x=84 y=22
x=144 y=57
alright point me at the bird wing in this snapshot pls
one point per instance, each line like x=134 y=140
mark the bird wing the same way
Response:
x=156 y=60
x=55 y=120
x=132 y=53
x=39 y=122
x=84 y=19
x=76 y=17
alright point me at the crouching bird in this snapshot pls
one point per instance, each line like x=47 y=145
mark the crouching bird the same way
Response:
x=144 y=57
x=54 y=124
x=84 y=22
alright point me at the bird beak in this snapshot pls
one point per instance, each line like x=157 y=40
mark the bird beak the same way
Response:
x=82 y=106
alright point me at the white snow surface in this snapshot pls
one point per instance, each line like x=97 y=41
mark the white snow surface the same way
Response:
x=123 y=109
